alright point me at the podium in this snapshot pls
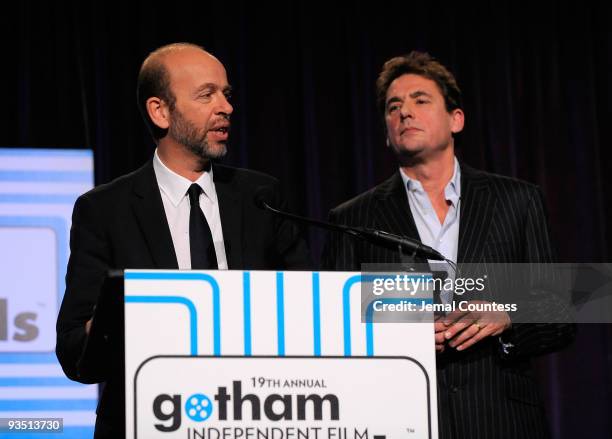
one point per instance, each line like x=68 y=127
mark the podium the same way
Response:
x=270 y=355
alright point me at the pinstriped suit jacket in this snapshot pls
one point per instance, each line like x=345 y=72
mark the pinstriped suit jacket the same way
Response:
x=482 y=392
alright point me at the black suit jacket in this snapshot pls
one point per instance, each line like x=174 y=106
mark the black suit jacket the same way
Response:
x=123 y=225
x=482 y=391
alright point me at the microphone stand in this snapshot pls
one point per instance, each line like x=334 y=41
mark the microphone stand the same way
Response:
x=376 y=237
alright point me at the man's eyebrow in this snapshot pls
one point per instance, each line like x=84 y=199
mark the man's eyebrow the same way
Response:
x=212 y=86
x=393 y=100
x=207 y=85
x=419 y=93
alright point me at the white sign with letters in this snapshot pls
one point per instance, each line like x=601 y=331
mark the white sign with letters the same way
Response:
x=270 y=355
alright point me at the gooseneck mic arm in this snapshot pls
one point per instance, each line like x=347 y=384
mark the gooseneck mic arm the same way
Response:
x=377 y=237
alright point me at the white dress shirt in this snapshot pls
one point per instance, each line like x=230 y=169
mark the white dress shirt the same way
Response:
x=173 y=190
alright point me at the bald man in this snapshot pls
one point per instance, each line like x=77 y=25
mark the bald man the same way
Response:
x=181 y=210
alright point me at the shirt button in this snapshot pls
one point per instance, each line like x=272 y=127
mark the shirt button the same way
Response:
x=454 y=389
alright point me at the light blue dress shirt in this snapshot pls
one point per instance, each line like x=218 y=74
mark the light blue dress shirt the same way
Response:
x=444 y=237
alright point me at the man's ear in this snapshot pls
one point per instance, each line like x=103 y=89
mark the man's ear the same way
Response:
x=457 y=120
x=158 y=112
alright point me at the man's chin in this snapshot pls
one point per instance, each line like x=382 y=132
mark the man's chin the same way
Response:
x=207 y=152
x=217 y=151
x=407 y=156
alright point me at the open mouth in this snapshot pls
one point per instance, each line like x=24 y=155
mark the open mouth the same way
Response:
x=219 y=134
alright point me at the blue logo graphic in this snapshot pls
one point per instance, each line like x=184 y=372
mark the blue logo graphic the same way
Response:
x=198 y=407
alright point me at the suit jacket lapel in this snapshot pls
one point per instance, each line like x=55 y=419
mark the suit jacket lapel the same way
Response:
x=392 y=212
x=149 y=210
x=230 y=210
x=477 y=209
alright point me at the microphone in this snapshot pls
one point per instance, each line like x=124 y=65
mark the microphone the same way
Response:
x=373 y=236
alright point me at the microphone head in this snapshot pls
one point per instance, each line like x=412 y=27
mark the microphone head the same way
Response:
x=262 y=197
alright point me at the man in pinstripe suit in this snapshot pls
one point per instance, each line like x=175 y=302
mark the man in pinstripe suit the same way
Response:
x=485 y=382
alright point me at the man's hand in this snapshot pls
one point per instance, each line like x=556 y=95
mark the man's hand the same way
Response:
x=440 y=329
x=464 y=328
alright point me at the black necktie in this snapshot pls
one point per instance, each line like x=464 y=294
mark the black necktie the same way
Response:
x=200 y=238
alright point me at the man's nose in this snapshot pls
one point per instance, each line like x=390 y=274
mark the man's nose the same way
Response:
x=406 y=111
x=225 y=107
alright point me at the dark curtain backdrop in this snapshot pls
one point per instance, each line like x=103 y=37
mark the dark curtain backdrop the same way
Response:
x=535 y=76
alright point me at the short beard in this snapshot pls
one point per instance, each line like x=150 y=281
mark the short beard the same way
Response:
x=194 y=140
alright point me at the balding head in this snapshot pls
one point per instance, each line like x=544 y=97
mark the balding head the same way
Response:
x=154 y=79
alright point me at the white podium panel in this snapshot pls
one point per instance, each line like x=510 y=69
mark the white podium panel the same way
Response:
x=270 y=355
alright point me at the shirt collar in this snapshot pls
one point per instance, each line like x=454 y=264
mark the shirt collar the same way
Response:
x=175 y=186
x=452 y=191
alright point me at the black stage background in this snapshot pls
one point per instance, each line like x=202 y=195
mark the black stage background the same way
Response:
x=536 y=81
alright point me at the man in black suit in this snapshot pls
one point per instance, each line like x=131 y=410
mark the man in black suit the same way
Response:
x=485 y=382
x=180 y=210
